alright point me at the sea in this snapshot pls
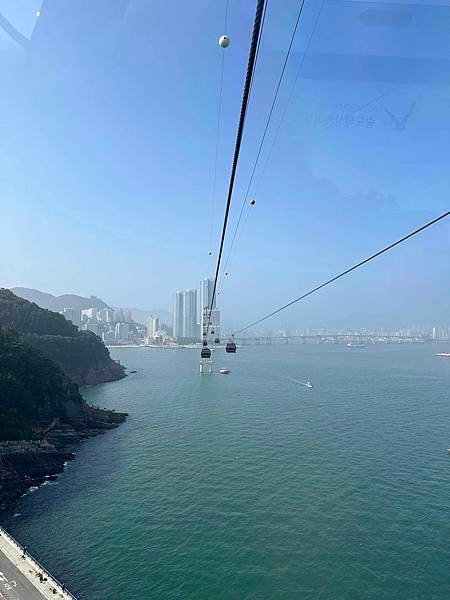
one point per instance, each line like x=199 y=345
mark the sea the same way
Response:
x=253 y=486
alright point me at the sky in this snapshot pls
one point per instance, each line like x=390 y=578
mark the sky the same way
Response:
x=109 y=112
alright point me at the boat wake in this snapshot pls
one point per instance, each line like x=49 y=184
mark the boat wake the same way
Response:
x=307 y=384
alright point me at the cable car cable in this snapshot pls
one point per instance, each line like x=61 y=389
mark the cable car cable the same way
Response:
x=219 y=115
x=250 y=93
x=289 y=100
x=257 y=48
x=363 y=262
x=288 y=53
x=244 y=105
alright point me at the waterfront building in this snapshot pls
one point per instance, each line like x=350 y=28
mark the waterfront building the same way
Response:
x=122 y=332
x=441 y=334
x=152 y=327
x=190 y=314
x=185 y=322
x=178 y=302
x=205 y=301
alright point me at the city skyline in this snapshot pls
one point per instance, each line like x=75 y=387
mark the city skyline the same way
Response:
x=98 y=320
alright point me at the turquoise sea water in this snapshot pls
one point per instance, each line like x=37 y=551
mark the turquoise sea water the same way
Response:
x=251 y=486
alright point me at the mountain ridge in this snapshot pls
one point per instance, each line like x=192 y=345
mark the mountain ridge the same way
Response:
x=57 y=303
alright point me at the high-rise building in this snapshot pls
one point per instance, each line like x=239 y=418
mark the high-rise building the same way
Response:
x=185 y=315
x=205 y=300
x=215 y=324
x=105 y=315
x=122 y=332
x=190 y=330
x=152 y=327
x=178 y=302
x=206 y=292
x=441 y=334
x=119 y=317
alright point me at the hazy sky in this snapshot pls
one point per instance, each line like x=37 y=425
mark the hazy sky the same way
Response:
x=108 y=125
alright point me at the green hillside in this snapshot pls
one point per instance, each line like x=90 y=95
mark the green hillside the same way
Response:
x=28 y=317
x=80 y=354
x=33 y=389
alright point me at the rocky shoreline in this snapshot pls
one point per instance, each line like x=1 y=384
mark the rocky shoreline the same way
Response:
x=104 y=373
x=28 y=463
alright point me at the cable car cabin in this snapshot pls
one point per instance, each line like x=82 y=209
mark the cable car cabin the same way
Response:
x=205 y=353
x=231 y=347
x=217 y=340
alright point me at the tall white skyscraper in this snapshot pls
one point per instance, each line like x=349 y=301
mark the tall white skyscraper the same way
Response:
x=441 y=334
x=178 y=302
x=185 y=315
x=215 y=323
x=152 y=327
x=190 y=314
x=206 y=292
x=122 y=332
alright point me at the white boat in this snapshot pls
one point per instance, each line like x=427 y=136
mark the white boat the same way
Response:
x=351 y=345
x=224 y=371
x=309 y=384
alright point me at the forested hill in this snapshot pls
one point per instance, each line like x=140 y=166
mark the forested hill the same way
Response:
x=28 y=317
x=81 y=354
x=33 y=390
x=42 y=416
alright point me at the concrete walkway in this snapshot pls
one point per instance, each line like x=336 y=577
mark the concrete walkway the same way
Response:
x=20 y=576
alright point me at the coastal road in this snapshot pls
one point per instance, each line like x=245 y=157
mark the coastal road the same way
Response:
x=22 y=578
x=13 y=583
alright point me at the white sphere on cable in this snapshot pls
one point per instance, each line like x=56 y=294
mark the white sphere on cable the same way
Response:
x=224 y=41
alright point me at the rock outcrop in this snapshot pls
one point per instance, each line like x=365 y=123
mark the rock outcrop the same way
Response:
x=43 y=416
x=97 y=374
x=27 y=463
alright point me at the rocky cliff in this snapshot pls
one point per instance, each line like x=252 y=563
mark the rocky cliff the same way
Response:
x=80 y=354
x=43 y=417
x=27 y=463
x=112 y=371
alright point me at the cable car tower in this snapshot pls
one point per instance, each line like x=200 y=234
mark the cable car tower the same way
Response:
x=205 y=355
